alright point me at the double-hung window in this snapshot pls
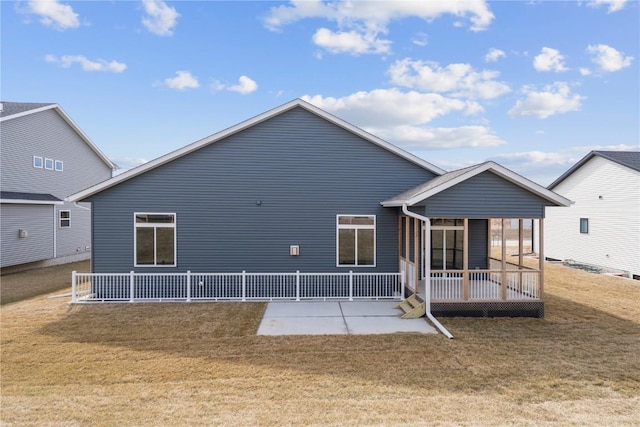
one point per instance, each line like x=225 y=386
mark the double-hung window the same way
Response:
x=356 y=240
x=65 y=219
x=155 y=239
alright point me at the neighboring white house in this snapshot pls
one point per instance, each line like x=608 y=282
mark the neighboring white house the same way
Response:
x=602 y=227
x=44 y=158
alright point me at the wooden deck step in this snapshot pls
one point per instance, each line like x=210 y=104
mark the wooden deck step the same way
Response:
x=412 y=307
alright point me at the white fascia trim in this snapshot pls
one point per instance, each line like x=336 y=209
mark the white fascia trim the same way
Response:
x=245 y=125
x=26 y=113
x=499 y=170
x=31 y=202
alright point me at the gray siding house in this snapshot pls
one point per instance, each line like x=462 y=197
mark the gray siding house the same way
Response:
x=44 y=158
x=296 y=189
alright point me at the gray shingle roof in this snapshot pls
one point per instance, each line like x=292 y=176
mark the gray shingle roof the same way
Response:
x=630 y=159
x=11 y=108
x=36 y=197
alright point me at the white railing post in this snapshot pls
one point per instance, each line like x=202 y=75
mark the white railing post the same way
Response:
x=74 y=297
x=244 y=285
x=402 y=286
x=350 y=285
x=297 y=285
x=188 y=286
x=132 y=281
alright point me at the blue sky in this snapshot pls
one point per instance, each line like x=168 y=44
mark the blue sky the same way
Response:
x=533 y=85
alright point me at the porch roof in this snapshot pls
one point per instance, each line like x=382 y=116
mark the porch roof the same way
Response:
x=436 y=185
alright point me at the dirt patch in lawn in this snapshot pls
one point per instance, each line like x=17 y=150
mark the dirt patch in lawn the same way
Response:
x=202 y=364
x=28 y=284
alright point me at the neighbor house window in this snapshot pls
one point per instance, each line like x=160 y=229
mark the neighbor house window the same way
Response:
x=356 y=236
x=65 y=219
x=155 y=239
x=38 y=162
x=48 y=164
x=584 y=225
x=59 y=165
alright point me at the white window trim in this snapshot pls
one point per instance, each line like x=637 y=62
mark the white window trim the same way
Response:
x=41 y=162
x=60 y=219
x=56 y=163
x=155 y=225
x=45 y=164
x=356 y=226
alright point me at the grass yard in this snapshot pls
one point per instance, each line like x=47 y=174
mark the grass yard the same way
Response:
x=201 y=364
x=19 y=286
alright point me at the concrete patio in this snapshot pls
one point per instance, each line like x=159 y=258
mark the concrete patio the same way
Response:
x=338 y=318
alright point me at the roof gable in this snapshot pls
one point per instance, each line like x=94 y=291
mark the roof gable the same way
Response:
x=14 y=110
x=297 y=103
x=437 y=185
x=630 y=159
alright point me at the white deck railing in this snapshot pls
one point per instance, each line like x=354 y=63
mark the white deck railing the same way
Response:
x=485 y=285
x=131 y=287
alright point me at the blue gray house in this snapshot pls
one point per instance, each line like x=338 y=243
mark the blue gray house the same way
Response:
x=296 y=192
x=45 y=157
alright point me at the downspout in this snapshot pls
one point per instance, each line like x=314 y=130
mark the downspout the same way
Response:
x=427 y=267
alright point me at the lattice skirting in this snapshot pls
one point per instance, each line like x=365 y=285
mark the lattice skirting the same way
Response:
x=489 y=309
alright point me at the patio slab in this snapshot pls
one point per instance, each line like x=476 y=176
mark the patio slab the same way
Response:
x=338 y=318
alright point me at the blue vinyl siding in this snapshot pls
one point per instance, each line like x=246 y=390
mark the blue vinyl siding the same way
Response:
x=478 y=245
x=241 y=202
x=485 y=196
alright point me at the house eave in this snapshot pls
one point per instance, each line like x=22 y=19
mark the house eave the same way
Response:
x=31 y=202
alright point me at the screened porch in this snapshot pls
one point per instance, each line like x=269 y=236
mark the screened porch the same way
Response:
x=473 y=260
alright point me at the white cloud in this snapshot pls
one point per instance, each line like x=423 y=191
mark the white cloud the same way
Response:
x=554 y=99
x=351 y=42
x=420 y=39
x=461 y=80
x=245 y=86
x=614 y=5
x=54 y=14
x=494 y=54
x=125 y=163
x=585 y=71
x=400 y=117
x=426 y=138
x=360 y=22
x=66 y=61
x=388 y=107
x=379 y=13
x=549 y=60
x=183 y=80
x=608 y=59
x=160 y=18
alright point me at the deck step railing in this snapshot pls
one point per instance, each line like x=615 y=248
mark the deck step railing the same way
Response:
x=243 y=286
